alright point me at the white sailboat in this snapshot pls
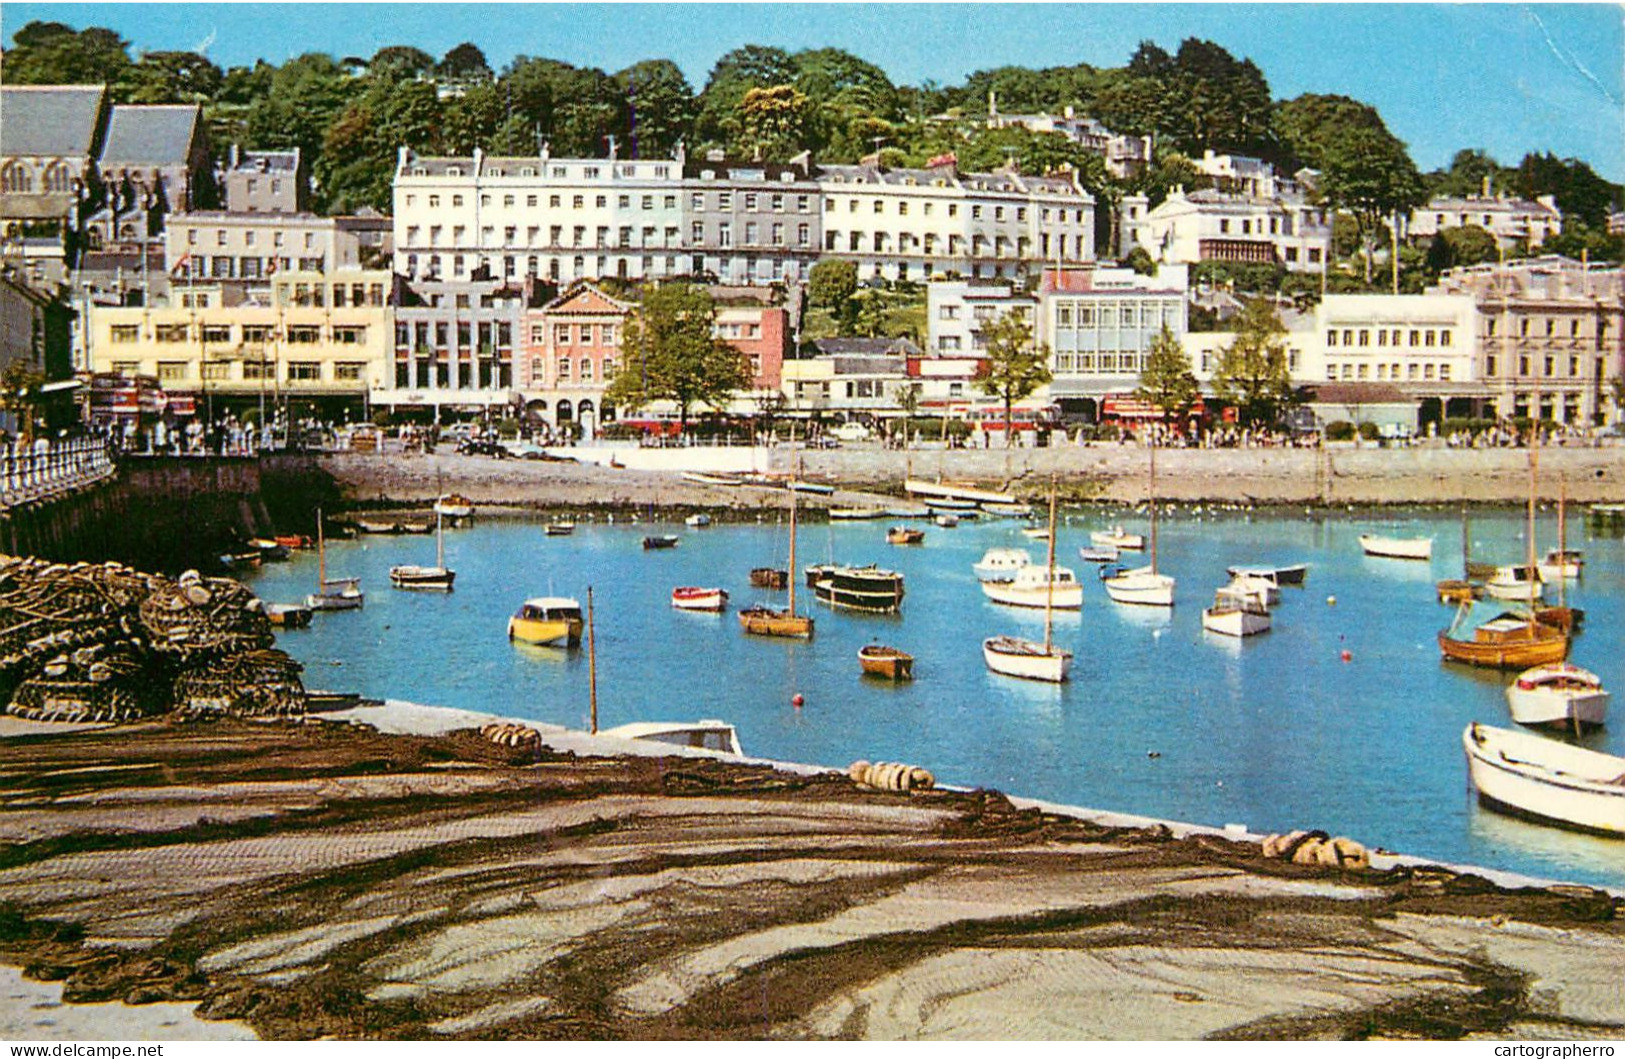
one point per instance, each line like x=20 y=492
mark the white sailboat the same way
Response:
x=434 y=578
x=1014 y=656
x=1142 y=585
x=339 y=593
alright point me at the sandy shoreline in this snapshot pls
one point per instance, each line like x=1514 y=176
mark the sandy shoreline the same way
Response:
x=872 y=477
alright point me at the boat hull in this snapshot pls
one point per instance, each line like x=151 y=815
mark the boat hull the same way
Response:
x=1067 y=595
x=876 y=592
x=1544 y=647
x=1026 y=660
x=713 y=600
x=343 y=600
x=887 y=662
x=1549 y=707
x=423 y=578
x=546 y=632
x=1544 y=780
x=1418 y=548
x=1234 y=622
x=768 y=577
x=759 y=621
x=1130 y=542
x=1141 y=587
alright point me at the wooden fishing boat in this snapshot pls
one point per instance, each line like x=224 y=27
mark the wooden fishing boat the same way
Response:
x=768 y=577
x=436 y=578
x=377 y=525
x=1545 y=780
x=865 y=588
x=270 y=549
x=1420 y=548
x=1559 y=696
x=548 y=621
x=797 y=486
x=1236 y=613
x=905 y=535
x=1506 y=641
x=294 y=541
x=1455 y=590
x=713 y=600
x=761 y=620
x=656 y=543
x=1014 y=656
x=888 y=662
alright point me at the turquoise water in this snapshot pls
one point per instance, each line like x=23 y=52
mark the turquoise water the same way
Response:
x=1275 y=732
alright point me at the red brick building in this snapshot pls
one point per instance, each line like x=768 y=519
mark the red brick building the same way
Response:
x=571 y=347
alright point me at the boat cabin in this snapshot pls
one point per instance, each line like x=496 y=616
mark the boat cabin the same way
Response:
x=549 y=609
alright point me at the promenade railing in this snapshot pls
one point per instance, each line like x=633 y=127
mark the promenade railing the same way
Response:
x=30 y=473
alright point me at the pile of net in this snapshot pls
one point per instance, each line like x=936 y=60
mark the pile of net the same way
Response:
x=103 y=642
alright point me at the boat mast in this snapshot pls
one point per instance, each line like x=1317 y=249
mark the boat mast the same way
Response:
x=439 y=540
x=1152 y=490
x=1465 y=542
x=1534 y=465
x=792 y=574
x=1049 y=579
x=1562 y=543
x=592 y=666
x=321 y=555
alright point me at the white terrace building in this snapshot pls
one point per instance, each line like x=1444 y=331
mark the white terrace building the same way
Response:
x=1511 y=220
x=1211 y=225
x=560 y=218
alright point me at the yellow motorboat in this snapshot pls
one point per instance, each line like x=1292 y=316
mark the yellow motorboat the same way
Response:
x=548 y=620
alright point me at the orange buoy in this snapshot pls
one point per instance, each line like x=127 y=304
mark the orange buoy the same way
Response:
x=1347 y=656
x=796 y=700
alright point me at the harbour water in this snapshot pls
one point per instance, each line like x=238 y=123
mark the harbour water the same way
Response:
x=1160 y=718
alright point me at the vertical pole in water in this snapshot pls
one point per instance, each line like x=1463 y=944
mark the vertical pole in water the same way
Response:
x=321 y=555
x=592 y=666
x=1562 y=543
x=1152 y=491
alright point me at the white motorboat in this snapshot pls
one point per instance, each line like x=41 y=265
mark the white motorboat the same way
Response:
x=1560 y=695
x=1142 y=585
x=947 y=521
x=1516 y=582
x=1397 y=547
x=1259 y=588
x=1001 y=564
x=1117 y=538
x=1235 y=614
x=1033 y=586
x=1561 y=563
x=1014 y=656
x=712 y=600
x=454 y=506
x=718 y=736
x=697 y=521
x=1027 y=659
x=1546 y=780
x=1036 y=533
x=1099 y=554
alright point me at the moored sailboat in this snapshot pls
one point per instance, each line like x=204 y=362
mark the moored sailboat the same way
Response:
x=1142 y=585
x=1014 y=656
x=431 y=578
x=340 y=593
x=761 y=620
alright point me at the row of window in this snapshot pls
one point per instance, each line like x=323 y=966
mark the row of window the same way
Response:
x=471 y=335
x=659 y=171
x=1146 y=314
x=1105 y=362
x=250 y=237
x=248 y=334
x=1386 y=336
x=1277 y=225
x=584 y=369
x=1548 y=364
x=746 y=270
x=18 y=179
x=181 y=371
x=1550 y=327
x=223 y=266
x=1385 y=372
x=437 y=374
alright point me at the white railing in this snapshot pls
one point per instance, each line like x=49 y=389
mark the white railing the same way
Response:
x=35 y=472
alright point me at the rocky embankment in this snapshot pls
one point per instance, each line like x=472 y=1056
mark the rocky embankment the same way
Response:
x=319 y=879
x=869 y=475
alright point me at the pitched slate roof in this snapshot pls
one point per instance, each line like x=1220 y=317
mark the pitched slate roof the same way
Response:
x=49 y=120
x=867 y=347
x=150 y=135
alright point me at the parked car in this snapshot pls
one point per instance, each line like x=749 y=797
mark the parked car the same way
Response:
x=850 y=432
x=481 y=447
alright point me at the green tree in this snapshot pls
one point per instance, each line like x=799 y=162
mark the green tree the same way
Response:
x=357 y=163
x=1469 y=245
x=1364 y=168
x=400 y=63
x=1252 y=373
x=303 y=97
x=1167 y=380
x=464 y=61
x=772 y=121
x=660 y=105
x=670 y=354
x=1015 y=366
x=171 y=77
x=472 y=119
x=50 y=53
x=20 y=395
x=737 y=72
x=1579 y=191
x=1469 y=169
x=831 y=283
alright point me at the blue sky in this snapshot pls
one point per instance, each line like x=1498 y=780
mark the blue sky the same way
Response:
x=1508 y=78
